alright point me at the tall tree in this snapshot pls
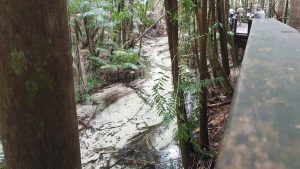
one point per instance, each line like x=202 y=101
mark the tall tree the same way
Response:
x=171 y=7
x=281 y=6
x=38 y=121
x=271 y=8
x=295 y=14
x=223 y=36
x=201 y=15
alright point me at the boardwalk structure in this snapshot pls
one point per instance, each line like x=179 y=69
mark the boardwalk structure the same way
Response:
x=264 y=130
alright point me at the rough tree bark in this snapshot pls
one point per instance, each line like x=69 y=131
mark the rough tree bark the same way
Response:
x=82 y=77
x=171 y=7
x=38 y=121
x=213 y=52
x=295 y=14
x=281 y=6
x=201 y=16
x=223 y=37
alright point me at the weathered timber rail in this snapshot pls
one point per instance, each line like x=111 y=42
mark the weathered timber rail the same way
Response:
x=264 y=129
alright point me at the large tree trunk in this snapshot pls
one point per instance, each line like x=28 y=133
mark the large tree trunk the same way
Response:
x=295 y=14
x=172 y=29
x=38 y=121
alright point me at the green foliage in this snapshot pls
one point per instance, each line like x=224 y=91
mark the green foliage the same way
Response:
x=97 y=61
x=122 y=56
x=121 y=59
x=188 y=6
x=166 y=106
x=183 y=133
x=123 y=15
x=141 y=11
x=93 y=82
x=185 y=17
x=2 y=166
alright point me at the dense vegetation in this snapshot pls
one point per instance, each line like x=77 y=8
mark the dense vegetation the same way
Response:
x=104 y=35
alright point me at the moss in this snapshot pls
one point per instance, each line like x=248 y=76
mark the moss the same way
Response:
x=18 y=62
x=32 y=88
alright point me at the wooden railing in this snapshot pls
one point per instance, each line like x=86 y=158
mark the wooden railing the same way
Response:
x=264 y=128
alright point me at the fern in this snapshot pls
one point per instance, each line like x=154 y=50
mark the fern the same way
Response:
x=166 y=107
x=122 y=56
x=97 y=61
x=129 y=66
x=183 y=133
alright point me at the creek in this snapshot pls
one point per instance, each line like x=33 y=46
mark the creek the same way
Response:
x=1 y=153
x=124 y=129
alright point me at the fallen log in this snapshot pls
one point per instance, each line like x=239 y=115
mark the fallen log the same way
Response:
x=145 y=32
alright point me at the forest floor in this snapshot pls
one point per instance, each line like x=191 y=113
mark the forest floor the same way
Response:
x=122 y=128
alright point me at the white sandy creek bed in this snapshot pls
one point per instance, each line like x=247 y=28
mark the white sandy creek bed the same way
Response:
x=126 y=128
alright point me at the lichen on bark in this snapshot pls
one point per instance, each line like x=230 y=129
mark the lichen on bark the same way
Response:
x=18 y=61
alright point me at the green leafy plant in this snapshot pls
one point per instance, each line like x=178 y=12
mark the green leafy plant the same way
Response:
x=122 y=56
x=166 y=106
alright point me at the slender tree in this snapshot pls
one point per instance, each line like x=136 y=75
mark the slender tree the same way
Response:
x=38 y=121
x=124 y=23
x=295 y=14
x=223 y=36
x=271 y=8
x=171 y=7
x=201 y=15
x=281 y=6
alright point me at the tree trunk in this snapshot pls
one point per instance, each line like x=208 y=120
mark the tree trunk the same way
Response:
x=119 y=26
x=201 y=15
x=171 y=7
x=38 y=121
x=223 y=37
x=123 y=24
x=263 y=4
x=131 y=27
x=213 y=53
x=212 y=21
x=89 y=39
x=281 y=6
x=213 y=59
x=82 y=78
x=295 y=14
x=271 y=8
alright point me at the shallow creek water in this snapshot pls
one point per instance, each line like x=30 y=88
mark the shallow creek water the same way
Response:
x=127 y=131
x=1 y=153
